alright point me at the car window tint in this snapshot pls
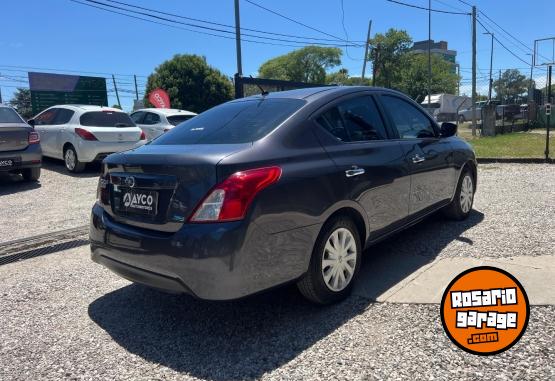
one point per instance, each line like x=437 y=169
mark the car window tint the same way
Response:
x=106 y=119
x=63 y=116
x=176 y=119
x=233 y=122
x=354 y=120
x=151 y=118
x=46 y=117
x=410 y=122
x=137 y=117
x=7 y=115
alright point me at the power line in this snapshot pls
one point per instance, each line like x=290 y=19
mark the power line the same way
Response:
x=346 y=33
x=425 y=8
x=500 y=43
x=211 y=29
x=220 y=24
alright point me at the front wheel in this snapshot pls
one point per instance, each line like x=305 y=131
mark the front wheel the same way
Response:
x=459 y=209
x=72 y=161
x=334 y=263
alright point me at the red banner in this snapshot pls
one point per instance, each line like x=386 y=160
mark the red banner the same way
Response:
x=159 y=98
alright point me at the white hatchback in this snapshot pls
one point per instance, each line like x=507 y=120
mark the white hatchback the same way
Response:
x=81 y=134
x=155 y=121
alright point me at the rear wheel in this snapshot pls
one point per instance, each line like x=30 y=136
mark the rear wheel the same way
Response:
x=31 y=174
x=460 y=207
x=334 y=263
x=72 y=161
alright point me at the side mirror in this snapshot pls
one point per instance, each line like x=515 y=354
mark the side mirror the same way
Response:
x=31 y=122
x=448 y=129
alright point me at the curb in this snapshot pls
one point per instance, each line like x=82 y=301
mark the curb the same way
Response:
x=517 y=160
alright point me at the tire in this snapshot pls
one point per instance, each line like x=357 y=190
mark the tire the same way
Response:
x=71 y=160
x=319 y=288
x=460 y=207
x=31 y=174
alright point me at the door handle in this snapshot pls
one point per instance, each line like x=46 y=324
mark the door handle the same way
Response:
x=354 y=172
x=418 y=159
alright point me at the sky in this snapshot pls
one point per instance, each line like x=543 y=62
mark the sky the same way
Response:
x=72 y=38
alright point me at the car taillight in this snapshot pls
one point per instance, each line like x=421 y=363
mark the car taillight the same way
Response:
x=143 y=136
x=84 y=134
x=34 y=137
x=230 y=200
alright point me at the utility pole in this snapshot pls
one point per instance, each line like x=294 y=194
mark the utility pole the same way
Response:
x=548 y=116
x=0 y=90
x=136 y=90
x=376 y=60
x=531 y=89
x=500 y=95
x=366 y=49
x=429 y=52
x=490 y=67
x=474 y=71
x=116 y=88
x=458 y=66
x=238 y=85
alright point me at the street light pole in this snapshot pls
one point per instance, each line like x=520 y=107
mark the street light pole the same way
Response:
x=490 y=67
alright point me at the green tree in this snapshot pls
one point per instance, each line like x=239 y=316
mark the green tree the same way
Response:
x=191 y=83
x=308 y=64
x=116 y=106
x=389 y=52
x=21 y=101
x=413 y=76
x=511 y=86
x=341 y=77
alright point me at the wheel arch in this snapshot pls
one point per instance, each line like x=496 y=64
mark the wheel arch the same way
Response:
x=356 y=214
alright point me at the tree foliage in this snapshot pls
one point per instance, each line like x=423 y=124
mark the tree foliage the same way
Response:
x=21 y=101
x=191 y=83
x=341 y=77
x=388 y=54
x=308 y=64
x=511 y=86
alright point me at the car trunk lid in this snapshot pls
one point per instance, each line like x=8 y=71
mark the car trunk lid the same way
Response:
x=158 y=186
x=14 y=136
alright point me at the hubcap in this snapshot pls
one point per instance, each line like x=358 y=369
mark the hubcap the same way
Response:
x=339 y=259
x=467 y=194
x=70 y=159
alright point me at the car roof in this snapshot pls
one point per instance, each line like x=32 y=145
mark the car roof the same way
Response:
x=312 y=93
x=84 y=108
x=167 y=111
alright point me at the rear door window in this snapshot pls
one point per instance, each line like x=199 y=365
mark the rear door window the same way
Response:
x=151 y=118
x=137 y=117
x=233 y=122
x=63 y=116
x=354 y=120
x=106 y=119
x=176 y=119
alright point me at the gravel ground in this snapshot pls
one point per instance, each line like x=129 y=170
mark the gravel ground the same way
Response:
x=58 y=201
x=75 y=320
x=68 y=318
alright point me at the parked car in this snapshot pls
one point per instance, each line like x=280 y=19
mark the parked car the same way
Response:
x=465 y=115
x=508 y=112
x=155 y=121
x=288 y=186
x=20 y=150
x=80 y=134
x=444 y=107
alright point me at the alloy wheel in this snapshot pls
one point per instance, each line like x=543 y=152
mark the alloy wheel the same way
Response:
x=70 y=159
x=467 y=194
x=339 y=259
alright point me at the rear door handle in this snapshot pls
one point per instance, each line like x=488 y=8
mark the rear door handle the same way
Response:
x=418 y=159
x=354 y=172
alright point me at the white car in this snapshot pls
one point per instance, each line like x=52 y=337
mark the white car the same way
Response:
x=155 y=121
x=81 y=134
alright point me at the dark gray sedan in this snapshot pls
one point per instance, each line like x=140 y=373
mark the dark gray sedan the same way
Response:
x=20 y=150
x=270 y=189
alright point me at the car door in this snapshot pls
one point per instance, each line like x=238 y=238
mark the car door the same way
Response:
x=59 y=128
x=429 y=157
x=370 y=166
x=44 y=125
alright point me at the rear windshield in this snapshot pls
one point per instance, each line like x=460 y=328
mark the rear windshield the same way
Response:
x=106 y=119
x=7 y=115
x=235 y=122
x=176 y=119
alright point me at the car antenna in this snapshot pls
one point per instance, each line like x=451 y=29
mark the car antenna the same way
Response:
x=262 y=91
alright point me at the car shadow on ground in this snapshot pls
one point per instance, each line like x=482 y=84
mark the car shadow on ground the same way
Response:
x=58 y=166
x=14 y=183
x=246 y=338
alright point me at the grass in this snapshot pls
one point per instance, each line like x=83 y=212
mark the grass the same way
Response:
x=512 y=145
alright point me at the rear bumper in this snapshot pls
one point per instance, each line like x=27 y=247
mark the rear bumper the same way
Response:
x=89 y=151
x=31 y=157
x=220 y=261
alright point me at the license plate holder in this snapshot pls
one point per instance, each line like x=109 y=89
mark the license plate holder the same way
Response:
x=140 y=202
x=8 y=162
